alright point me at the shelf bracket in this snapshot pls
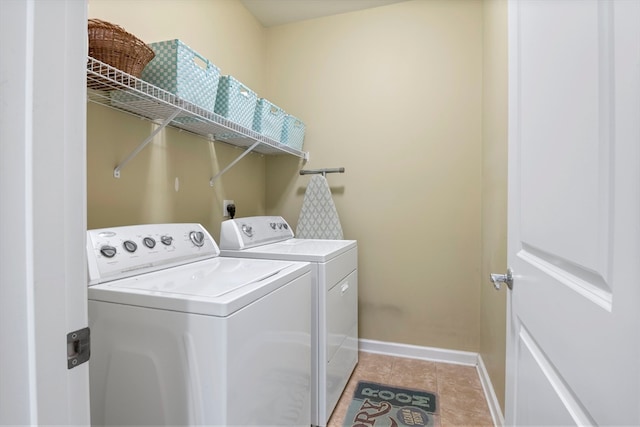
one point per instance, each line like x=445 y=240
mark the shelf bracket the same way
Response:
x=116 y=171
x=232 y=164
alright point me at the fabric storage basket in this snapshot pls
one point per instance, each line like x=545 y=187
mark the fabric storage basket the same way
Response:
x=182 y=71
x=292 y=132
x=236 y=102
x=268 y=119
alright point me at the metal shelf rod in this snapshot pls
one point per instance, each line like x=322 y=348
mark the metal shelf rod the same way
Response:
x=116 y=171
x=232 y=164
x=324 y=171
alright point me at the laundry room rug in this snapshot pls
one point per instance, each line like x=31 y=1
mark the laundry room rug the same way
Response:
x=379 y=405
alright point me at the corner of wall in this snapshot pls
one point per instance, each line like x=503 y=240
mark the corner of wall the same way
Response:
x=494 y=193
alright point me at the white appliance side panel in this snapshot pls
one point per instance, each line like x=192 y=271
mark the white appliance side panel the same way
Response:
x=339 y=371
x=338 y=268
x=317 y=325
x=162 y=367
x=269 y=370
x=337 y=339
x=342 y=312
x=140 y=361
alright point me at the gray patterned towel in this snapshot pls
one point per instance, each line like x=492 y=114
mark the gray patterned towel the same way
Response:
x=318 y=216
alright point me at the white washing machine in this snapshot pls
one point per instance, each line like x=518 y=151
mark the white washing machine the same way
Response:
x=334 y=272
x=181 y=336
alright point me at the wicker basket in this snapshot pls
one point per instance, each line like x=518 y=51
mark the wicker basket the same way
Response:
x=112 y=45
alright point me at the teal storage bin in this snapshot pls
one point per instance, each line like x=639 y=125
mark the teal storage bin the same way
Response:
x=269 y=119
x=292 y=132
x=236 y=102
x=182 y=71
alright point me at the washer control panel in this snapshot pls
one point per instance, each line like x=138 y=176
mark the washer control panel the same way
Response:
x=244 y=233
x=119 y=252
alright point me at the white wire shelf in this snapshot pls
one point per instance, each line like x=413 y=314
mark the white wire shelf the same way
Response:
x=116 y=89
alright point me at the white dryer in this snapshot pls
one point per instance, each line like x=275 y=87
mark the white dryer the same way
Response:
x=334 y=271
x=181 y=336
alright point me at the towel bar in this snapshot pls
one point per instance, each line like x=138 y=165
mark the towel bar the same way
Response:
x=324 y=172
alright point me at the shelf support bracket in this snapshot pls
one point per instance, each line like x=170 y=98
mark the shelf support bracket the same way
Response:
x=232 y=164
x=116 y=171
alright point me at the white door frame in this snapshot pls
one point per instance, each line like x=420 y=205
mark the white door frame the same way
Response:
x=43 y=47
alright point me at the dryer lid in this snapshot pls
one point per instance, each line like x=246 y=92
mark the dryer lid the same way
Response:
x=309 y=250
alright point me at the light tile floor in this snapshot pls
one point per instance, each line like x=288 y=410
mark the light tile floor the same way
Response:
x=461 y=400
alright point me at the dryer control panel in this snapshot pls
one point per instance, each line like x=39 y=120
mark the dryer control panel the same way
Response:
x=119 y=252
x=244 y=233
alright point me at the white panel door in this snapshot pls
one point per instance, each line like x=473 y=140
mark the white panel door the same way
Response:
x=43 y=280
x=574 y=213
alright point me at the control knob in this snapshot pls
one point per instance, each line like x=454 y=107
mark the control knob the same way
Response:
x=247 y=229
x=166 y=240
x=197 y=237
x=149 y=242
x=108 y=251
x=130 y=246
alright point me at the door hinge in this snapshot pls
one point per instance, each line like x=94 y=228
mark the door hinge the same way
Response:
x=78 y=347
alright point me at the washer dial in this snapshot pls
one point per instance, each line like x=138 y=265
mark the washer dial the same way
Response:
x=130 y=246
x=108 y=251
x=149 y=242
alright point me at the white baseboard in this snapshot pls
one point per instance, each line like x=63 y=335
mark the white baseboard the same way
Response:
x=490 y=393
x=441 y=355
x=418 y=352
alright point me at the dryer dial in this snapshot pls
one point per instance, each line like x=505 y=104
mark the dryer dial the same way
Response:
x=247 y=229
x=197 y=237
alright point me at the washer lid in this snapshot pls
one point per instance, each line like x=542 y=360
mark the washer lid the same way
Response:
x=310 y=250
x=212 y=279
x=218 y=286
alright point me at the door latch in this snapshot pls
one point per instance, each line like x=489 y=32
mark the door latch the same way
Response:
x=499 y=279
x=78 y=347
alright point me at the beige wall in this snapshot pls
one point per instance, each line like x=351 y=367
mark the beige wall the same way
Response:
x=146 y=190
x=394 y=94
x=409 y=98
x=494 y=191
